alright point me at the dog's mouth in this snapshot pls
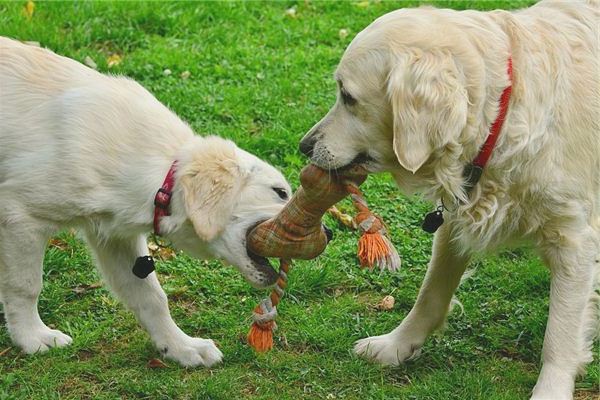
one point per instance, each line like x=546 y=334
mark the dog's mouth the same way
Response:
x=265 y=275
x=362 y=161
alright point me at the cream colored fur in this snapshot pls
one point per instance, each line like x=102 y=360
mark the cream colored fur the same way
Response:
x=81 y=149
x=426 y=84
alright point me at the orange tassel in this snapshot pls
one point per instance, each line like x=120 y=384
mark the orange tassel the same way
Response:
x=374 y=247
x=260 y=336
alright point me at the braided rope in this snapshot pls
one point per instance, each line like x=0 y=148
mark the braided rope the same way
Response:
x=266 y=311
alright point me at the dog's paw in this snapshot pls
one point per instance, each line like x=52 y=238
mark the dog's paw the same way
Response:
x=40 y=340
x=556 y=382
x=387 y=349
x=193 y=352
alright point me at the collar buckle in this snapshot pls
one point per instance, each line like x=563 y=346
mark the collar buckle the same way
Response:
x=162 y=198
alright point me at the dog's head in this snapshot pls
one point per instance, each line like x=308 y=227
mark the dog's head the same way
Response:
x=222 y=191
x=402 y=100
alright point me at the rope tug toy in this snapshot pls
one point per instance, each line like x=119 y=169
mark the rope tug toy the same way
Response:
x=298 y=232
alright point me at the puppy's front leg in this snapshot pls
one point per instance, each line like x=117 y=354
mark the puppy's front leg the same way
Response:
x=442 y=279
x=148 y=302
x=571 y=254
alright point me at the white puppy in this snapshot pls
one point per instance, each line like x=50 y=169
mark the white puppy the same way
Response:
x=418 y=92
x=81 y=149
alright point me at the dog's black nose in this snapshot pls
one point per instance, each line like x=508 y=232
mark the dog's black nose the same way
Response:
x=307 y=145
x=328 y=233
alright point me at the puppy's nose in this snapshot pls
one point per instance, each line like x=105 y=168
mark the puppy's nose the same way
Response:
x=307 y=145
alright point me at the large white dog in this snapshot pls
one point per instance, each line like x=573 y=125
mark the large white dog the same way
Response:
x=420 y=92
x=81 y=149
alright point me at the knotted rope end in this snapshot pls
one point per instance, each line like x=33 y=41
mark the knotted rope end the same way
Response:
x=260 y=336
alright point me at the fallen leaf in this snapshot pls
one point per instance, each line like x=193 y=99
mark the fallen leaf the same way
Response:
x=179 y=291
x=345 y=219
x=114 y=60
x=28 y=9
x=363 y=4
x=156 y=363
x=387 y=303
x=89 y=61
x=85 y=288
x=343 y=33
x=3 y=352
x=291 y=12
x=185 y=74
x=161 y=251
x=58 y=243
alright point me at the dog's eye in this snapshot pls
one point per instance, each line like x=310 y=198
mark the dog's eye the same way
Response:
x=347 y=98
x=281 y=192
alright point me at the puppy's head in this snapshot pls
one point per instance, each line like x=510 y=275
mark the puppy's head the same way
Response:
x=221 y=192
x=401 y=100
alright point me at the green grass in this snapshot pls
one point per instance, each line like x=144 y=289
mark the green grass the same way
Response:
x=262 y=79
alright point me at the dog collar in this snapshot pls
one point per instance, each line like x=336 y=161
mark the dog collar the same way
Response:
x=162 y=200
x=473 y=171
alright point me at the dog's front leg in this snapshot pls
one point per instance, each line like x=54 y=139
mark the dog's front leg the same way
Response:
x=148 y=302
x=571 y=257
x=429 y=312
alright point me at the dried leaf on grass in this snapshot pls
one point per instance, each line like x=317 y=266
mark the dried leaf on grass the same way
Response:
x=345 y=219
x=80 y=289
x=291 y=12
x=28 y=9
x=89 y=61
x=114 y=60
x=156 y=363
x=58 y=243
x=3 y=352
x=160 y=251
x=387 y=303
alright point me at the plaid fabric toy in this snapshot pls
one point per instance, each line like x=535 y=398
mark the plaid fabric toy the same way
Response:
x=297 y=232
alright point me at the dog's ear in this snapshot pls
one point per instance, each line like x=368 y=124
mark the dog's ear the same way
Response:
x=429 y=105
x=211 y=183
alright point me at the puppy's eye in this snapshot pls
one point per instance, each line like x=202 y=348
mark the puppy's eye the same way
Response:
x=281 y=192
x=347 y=98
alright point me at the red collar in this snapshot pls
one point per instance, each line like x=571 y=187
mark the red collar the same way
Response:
x=475 y=169
x=162 y=200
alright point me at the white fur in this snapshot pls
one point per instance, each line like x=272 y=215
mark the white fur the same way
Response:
x=85 y=150
x=427 y=84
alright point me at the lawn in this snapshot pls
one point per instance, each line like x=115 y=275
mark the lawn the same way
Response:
x=261 y=74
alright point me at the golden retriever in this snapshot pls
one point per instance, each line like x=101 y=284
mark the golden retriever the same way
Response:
x=418 y=92
x=85 y=150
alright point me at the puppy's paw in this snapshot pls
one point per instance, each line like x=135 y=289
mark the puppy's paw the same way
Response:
x=387 y=349
x=192 y=352
x=40 y=340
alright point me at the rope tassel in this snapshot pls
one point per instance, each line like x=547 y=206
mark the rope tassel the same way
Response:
x=375 y=248
x=260 y=336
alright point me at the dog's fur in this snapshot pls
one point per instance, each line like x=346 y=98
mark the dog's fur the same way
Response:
x=419 y=89
x=81 y=149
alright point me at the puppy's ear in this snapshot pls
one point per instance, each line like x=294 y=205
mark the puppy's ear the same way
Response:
x=429 y=105
x=211 y=183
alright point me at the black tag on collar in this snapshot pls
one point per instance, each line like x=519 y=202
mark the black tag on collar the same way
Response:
x=143 y=266
x=433 y=220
